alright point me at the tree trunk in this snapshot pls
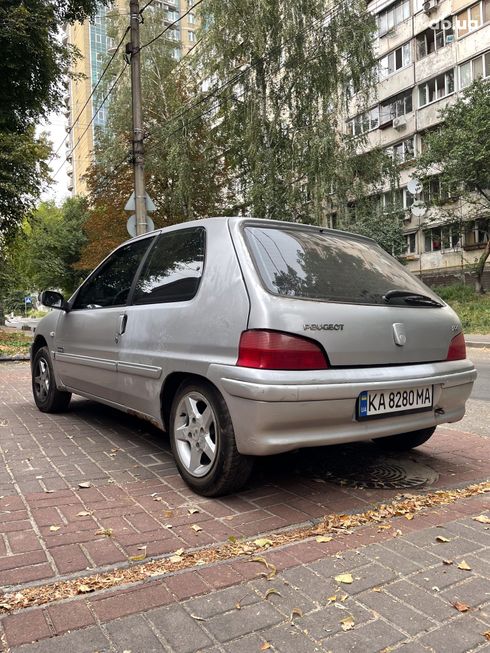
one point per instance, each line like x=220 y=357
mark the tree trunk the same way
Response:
x=480 y=269
x=2 y=314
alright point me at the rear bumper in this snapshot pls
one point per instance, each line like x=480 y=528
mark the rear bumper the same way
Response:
x=276 y=411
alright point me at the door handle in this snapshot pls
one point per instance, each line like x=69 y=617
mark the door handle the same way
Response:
x=123 y=320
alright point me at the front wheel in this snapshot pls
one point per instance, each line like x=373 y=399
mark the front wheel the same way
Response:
x=405 y=441
x=46 y=395
x=203 y=441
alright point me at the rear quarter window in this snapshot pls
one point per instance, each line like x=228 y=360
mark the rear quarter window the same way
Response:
x=327 y=267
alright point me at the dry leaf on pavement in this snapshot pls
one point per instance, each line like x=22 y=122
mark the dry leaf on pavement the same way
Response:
x=483 y=519
x=344 y=578
x=464 y=566
x=265 y=646
x=263 y=542
x=441 y=538
x=54 y=528
x=83 y=513
x=196 y=528
x=84 y=484
x=272 y=591
x=324 y=538
x=106 y=532
x=296 y=612
x=348 y=623
x=461 y=607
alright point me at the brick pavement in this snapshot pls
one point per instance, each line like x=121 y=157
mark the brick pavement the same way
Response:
x=136 y=491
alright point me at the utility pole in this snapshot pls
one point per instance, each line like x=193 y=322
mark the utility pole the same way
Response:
x=133 y=50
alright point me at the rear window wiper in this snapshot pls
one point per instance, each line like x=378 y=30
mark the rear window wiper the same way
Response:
x=409 y=297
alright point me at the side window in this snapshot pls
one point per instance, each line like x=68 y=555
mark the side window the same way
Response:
x=111 y=284
x=173 y=270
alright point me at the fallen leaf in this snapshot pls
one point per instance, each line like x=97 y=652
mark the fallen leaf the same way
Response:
x=486 y=635
x=464 y=566
x=441 y=538
x=196 y=528
x=137 y=558
x=323 y=538
x=260 y=559
x=376 y=589
x=169 y=525
x=157 y=498
x=265 y=646
x=54 y=528
x=106 y=532
x=409 y=517
x=263 y=542
x=348 y=623
x=83 y=589
x=331 y=599
x=272 y=572
x=194 y=616
x=179 y=552
x=168 y=513
x=84 y=484
x=192 y=511
x=238 y=606
x=83 y=513
x=175 y=558
x=5 y=606
x=461 y=607
x=344 y=578
x=272 y=591
x=483 y=519
x=49 y=491
x=232 y=539
x=296 y=612
x=447 y=562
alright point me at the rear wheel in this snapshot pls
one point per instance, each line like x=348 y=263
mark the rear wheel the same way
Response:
x=46 y=395
x=203 y=441
x=405 y=441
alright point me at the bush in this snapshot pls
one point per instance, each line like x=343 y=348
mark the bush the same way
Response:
x=473 y=309
x=457 y=292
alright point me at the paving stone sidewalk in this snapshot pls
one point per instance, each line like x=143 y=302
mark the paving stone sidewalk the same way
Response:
x=402 y=599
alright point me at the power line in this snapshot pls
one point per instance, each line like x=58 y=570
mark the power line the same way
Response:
x=116 y=81
x=169 y=27
x=106 y=67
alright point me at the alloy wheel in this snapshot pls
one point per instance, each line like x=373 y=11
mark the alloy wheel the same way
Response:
x=195 y=430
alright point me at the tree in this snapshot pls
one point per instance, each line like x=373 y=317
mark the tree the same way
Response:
x=33 y=66
x=43 y=253
x=182 y=168
x=459 y=151
x=281 y=74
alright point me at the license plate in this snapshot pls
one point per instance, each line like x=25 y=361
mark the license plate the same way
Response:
x=375 y=403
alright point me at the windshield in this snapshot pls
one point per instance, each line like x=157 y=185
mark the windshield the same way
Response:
x=328 y=267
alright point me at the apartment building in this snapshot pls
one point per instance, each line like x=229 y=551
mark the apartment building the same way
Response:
x=428 y=52
x=93 y=43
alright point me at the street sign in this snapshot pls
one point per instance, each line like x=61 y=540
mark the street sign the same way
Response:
x=28 y=300
x=415 y=187
x=131 y=225
x=131 y=204
x=418 y=209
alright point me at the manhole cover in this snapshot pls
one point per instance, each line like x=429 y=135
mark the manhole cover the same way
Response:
x=362 y=466
x=385 y=473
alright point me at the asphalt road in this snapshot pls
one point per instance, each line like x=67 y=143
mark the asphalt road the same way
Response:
x=477 y=418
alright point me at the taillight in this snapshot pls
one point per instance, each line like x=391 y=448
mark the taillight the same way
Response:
x=272 y=350
x=457 y=348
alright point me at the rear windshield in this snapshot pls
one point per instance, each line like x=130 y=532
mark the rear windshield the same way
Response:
x=327 y=267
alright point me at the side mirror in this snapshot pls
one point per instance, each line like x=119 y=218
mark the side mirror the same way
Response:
x=54 y=299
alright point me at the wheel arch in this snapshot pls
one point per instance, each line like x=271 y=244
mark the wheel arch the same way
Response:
x=39 y=341
x=169 y=390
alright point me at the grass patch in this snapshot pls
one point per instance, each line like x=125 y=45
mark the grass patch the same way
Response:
x=472 y=309
x=14 y=343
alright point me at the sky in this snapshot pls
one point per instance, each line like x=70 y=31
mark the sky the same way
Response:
x=55 y=127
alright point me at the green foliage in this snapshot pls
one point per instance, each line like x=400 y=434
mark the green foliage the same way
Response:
x=292 y=64
x=459 y=150
x=43 y=253
x=472 y=309
x=32 y=69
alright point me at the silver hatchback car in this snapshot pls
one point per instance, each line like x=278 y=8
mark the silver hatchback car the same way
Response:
x=244 y=338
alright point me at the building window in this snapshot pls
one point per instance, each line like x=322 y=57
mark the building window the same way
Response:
x=436 y=88
x=393 y=16
x=394 y=61
x=432 y=240
x=477 y=232
x=363 y=123
x=411 y=243
x=191 y=19
x=403 y=151
x=473 y=17
x=434 y=38
x=192 y=36
x=473 y=69
x=394 y=107
x=397 y=200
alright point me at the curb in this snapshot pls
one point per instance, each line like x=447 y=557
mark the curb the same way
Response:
x=477 y=345
x=10 y=359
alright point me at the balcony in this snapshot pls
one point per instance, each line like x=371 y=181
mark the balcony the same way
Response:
x=435 y=63
x=396 y=82
x=428 y=116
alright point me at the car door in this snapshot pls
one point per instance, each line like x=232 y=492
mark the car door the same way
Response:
x=88 y=336
x=162 y=326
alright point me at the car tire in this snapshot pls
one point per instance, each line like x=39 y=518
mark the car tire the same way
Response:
x=405 y=441
x=203 y=441
x=46 y=395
